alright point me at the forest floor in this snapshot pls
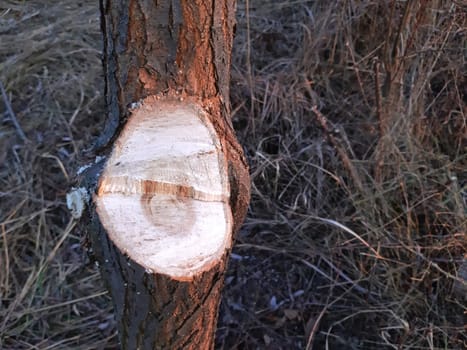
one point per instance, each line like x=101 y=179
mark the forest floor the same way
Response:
x=353 y=118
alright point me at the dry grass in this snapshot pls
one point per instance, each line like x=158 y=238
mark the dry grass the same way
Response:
x=52 y=298
x=352 y=114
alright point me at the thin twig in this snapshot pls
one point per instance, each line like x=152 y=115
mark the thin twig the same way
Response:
x=378 y=98
x=322 y=120
x=12 y=114
x=357 y=73
x=382 y=118
x=314 y=329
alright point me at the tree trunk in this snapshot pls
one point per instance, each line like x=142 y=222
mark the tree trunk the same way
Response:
x=174 y=188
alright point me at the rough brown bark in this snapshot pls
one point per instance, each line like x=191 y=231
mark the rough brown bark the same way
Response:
x=175 y=49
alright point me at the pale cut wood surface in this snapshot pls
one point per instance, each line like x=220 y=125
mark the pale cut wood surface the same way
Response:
x=163 y=195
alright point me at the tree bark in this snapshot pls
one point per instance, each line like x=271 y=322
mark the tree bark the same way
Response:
x=160 y=55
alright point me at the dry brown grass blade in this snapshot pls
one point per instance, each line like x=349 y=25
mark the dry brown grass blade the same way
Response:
x=322 y=120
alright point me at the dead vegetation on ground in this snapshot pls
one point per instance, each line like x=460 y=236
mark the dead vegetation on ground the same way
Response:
x=353 y=117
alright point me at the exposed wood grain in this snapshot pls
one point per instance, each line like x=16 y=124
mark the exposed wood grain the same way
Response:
x=163 y=197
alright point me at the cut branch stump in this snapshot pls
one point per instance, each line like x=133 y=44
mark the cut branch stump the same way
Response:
x=174 y=188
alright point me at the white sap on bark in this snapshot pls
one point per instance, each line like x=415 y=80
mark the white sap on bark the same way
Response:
x=163 y=196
